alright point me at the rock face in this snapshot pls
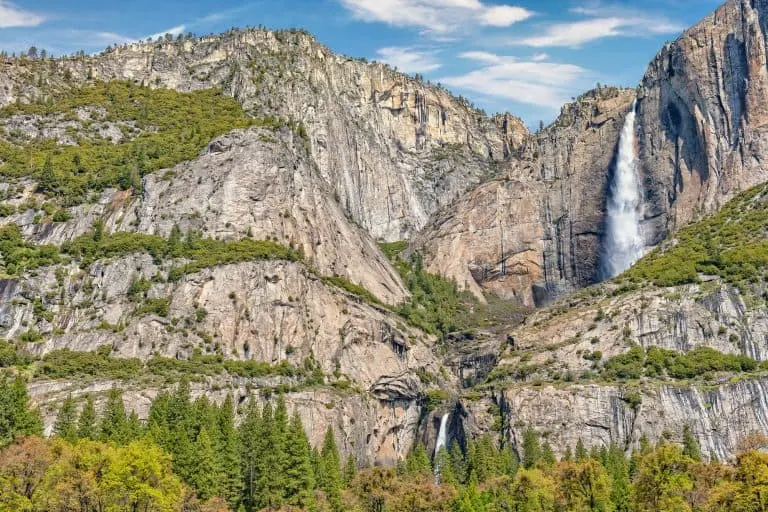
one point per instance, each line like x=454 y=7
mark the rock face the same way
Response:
x=720 y=418
x=393 y=148
x=702 y=118
x=248 y=183
x=375 y=431
x=535 y=233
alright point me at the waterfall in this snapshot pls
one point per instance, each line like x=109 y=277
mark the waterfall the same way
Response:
x=442 y=440
x=623 y=243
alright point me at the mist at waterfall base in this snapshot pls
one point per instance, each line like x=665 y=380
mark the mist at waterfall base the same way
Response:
x=442 y=440
x=623 y=243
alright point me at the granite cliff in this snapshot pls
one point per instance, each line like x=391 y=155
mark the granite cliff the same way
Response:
x=339 y=155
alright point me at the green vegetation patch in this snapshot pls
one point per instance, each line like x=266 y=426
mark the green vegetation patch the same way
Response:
x=437 y=306
x=731 y=244
x=172 y=127
x=658 y=362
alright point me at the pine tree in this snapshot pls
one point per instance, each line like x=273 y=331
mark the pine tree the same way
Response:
x=66 y=421
x=204 y=476
x=531 y=448
x=444 y=468
x=459 y=463
x=300 y=479
x=17 y=417
x=417 y=462
x=249 y=444
x=229 y=455
x=271 y=469
x=86 y=422
x=114 y=421
x=568 y=455
x=47 y=181
x=581 y=452
x=133 y=429
x=350 y=469
x=617 y=466
x=690 y=444
x=330 y=479
x=548 y=458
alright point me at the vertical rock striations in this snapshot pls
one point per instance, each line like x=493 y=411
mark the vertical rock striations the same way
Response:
x=536 y=232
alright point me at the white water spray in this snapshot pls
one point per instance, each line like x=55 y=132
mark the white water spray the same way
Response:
x=442 y=440
x=623 y=242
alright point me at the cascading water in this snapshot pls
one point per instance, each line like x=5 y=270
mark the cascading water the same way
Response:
x=623 y=243
x=442 y=441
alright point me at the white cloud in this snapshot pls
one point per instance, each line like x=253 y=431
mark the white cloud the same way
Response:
x=538 y=57
x=544 y=84
x=604 y=21
x=408 y=60
x=174 y=31
x=437 y=17
x=486 y=57
x=13 y=16
x=576 y=33
x=503 y=15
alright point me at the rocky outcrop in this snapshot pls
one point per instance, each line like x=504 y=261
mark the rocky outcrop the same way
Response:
x=721 y=418
x=393 y=148
x=563 y=338
x=702 y=117
x=535 y=233
x=376 y=432
x=254 y=183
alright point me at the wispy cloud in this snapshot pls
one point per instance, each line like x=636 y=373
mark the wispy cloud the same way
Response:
x=436 y=17
x=13 y=16
x=603 y=21
x=535 y=82
x=408 y=60
x=174 y=31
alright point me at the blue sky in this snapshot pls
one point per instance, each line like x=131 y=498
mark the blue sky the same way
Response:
x=522 y=56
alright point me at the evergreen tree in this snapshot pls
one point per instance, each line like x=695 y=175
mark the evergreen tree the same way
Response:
x=133 y=429
x=617 y=467
x=86 y=422
x=17 y=417
x=205 y=476
x=459 y=463
x=114 y=422
x=229 y=455
x=271 y=471
x=568 y=455
x=444 y=468
x=581 y=452
x=66 y=420
x=249 y=443
x=690 y=444
x=350 y=469
x=531 y=448
x=299 y=476
x=47 y=181
x=417 y=462
x=329 y=479
x=548 y=458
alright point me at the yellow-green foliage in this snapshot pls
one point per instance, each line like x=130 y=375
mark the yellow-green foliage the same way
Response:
x=173 y=127
x=731 y=244
x=658 y=362
x=16 y=255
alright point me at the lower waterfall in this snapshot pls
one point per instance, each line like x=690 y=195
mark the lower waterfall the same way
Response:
x=442 y=440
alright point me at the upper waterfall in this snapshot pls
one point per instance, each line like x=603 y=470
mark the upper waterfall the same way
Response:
x=623 y=244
